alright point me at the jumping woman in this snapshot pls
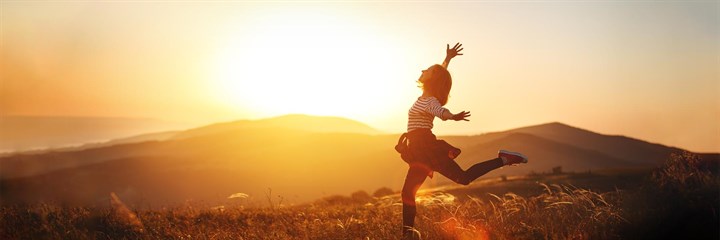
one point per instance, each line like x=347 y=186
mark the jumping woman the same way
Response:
x=425 y=153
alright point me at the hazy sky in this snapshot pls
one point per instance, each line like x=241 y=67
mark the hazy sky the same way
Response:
x=645 y=69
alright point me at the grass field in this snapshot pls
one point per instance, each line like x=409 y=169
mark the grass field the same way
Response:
x=678 y=201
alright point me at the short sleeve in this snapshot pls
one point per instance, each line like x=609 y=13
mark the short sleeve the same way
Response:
x=435 y=108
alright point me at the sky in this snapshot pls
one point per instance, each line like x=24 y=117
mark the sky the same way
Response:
x=644 y=69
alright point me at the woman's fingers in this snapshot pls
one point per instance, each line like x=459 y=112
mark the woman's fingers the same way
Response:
x=458 y=47
x=462 y=116
x=455 y=50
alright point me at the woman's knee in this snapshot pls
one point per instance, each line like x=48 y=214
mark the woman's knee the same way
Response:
x=464 y=180
x=460 y=177
x=408 y=196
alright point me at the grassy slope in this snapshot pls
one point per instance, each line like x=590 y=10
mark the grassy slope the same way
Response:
x=678 y=201
x=557 y=212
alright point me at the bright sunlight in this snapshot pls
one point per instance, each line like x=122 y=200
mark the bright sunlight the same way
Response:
x=312 y=62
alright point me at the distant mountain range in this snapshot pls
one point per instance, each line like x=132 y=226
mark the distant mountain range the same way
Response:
x=297 y=157
x=24 y=133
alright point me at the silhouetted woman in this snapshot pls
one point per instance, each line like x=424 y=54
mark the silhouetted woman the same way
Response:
x=425 y=153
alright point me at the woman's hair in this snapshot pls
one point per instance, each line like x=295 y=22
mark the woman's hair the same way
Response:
x=437 y=83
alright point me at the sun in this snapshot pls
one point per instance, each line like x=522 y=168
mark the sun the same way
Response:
x=307 y=61
x=315 y=62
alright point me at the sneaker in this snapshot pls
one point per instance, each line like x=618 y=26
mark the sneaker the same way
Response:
x=512 y=158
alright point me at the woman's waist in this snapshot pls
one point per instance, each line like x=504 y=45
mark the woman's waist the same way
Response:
x=421 y=134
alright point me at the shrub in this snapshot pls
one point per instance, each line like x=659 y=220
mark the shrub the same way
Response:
x=383 y=191
x=680 y=201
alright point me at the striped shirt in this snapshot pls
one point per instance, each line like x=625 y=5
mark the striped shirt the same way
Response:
x=423 y=112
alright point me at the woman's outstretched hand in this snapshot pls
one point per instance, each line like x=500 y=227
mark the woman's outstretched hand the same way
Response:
x=451 y=53
x=462 y=116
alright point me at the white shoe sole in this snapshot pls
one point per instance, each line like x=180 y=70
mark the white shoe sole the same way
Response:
x=516 y=154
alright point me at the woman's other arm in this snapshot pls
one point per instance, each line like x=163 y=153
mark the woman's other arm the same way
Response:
x=462 y=116
x=439 y=111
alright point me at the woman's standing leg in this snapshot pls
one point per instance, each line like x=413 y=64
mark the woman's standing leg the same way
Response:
x=414 y=179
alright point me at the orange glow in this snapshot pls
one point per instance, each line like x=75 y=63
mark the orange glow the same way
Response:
x=221 y=61
x=310 y=61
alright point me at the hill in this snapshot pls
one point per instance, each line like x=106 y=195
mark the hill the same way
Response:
x=29 y=163
x=290 y=122
x=544 y=154
x=621 y=147
x=274 y=157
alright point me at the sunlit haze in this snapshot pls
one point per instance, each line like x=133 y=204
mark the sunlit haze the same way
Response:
x=645 y=69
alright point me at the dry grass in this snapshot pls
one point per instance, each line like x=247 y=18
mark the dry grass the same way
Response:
x=558 y=212
x=561 y=212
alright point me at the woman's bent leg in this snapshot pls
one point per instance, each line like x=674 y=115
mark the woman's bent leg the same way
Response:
x=453 y=171
x=414 y=179
x=482 y=168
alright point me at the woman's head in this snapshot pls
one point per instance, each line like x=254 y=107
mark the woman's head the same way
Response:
x=436 y=81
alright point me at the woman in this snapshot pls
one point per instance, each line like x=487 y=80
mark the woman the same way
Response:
x=425 y=153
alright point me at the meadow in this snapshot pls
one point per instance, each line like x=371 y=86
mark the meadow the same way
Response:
x=679 y=200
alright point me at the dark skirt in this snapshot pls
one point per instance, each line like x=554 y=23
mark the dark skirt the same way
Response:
x=427 y=152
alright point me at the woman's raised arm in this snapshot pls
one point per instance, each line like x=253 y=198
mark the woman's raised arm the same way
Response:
x=451 y=53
